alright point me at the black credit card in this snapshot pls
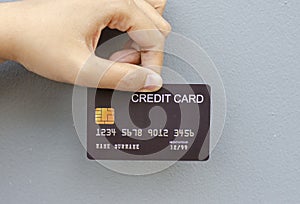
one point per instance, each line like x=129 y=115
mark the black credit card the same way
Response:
x=170 y=124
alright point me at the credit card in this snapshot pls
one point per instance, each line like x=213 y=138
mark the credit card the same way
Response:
x=171 y=124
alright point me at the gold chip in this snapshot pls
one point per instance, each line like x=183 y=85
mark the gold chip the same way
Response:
x=105 y=116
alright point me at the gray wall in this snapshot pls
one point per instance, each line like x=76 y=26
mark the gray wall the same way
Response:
x=255 y=45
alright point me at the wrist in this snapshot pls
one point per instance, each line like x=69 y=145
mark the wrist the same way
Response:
x=9 y=30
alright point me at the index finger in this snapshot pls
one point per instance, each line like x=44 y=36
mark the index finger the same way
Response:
x=152 y=56
x=142 y=30
x=151 y=46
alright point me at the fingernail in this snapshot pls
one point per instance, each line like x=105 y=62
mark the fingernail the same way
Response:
x=153 y=82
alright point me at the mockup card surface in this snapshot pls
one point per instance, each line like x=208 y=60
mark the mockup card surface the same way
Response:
x=170 y=124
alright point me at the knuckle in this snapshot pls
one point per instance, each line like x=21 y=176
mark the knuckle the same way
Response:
x=167 y=28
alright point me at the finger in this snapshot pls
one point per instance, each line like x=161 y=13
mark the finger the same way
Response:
x=143 y=32
x=157 y=19
x=102 y=73
x=131 y=56
x=151 y=56
x=159 y=5
x=150 y=43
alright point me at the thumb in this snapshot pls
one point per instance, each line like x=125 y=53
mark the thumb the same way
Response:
x=101 y=73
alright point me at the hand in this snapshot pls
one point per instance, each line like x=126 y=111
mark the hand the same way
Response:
x=57 y=39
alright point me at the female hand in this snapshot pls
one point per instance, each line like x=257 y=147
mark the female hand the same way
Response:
x=57 y=39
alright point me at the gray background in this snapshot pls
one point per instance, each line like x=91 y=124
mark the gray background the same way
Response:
x=255 y=45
